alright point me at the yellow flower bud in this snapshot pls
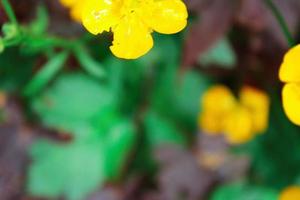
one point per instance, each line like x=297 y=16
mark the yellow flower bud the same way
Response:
x=258 y=103
x=238 y=126
x=218 y=99
x=211 y=123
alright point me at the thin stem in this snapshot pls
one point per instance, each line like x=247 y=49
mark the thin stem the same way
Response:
x=9 y=11
x=282 y=23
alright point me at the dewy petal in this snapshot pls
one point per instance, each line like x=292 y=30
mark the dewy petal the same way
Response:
x=291 y=101
x=290 y=68
x=132 y=38
x=166 y=16
x=100 y=15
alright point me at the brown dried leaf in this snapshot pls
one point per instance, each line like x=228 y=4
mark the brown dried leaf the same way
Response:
x=215 y=22
x=181 y=175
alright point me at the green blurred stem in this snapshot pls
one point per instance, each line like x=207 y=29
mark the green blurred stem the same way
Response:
x=282 y=23
x=9 y=11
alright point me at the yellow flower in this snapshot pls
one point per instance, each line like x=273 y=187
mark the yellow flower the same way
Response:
x=290 y=193
x=211 y=119
x=290 y=74
x=238 y=119
x=133 y=21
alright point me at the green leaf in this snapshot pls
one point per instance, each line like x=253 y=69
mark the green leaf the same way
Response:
x=46 y=74
x=187 y=96
x=220 y=54
x=241 y=191
x=119 y=144
x=40 y=24
x=14 y=73
x=88 y=63
x=162 y=131
x=74 y=169
x=73 y=101
x=2 y=47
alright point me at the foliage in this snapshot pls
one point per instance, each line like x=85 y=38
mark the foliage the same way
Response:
x=98 y=120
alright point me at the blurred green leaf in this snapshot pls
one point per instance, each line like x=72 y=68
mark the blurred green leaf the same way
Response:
x=46 y=74
x=220 y=54
x=73 y=101
x=241 y=191
x=119 y=144
x=88 y=63
x=73 y=170
x=10 y=30
x=41 y=22
x=16 y=72
x=2 y=47
x=61 y=169
x=162 y=131
x=187 y=96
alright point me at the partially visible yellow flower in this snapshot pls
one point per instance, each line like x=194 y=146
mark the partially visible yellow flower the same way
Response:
x=290 y=74
x=75 y=7
x=290 y=70
x=211 y=120
x=290 y=193
x=238 y=119
x=291 y=101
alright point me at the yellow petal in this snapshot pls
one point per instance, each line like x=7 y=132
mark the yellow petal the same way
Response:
x=218 y=99
x=100 y=15
x=290 y=193
x=291 y=101
x=290 y=68
x=76 y=11
x=257 y=102
x=132 y=38
x=166 y=16
x=238 y=126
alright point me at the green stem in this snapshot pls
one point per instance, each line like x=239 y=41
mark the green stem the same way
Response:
x=282 y=23
x=9 y=11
